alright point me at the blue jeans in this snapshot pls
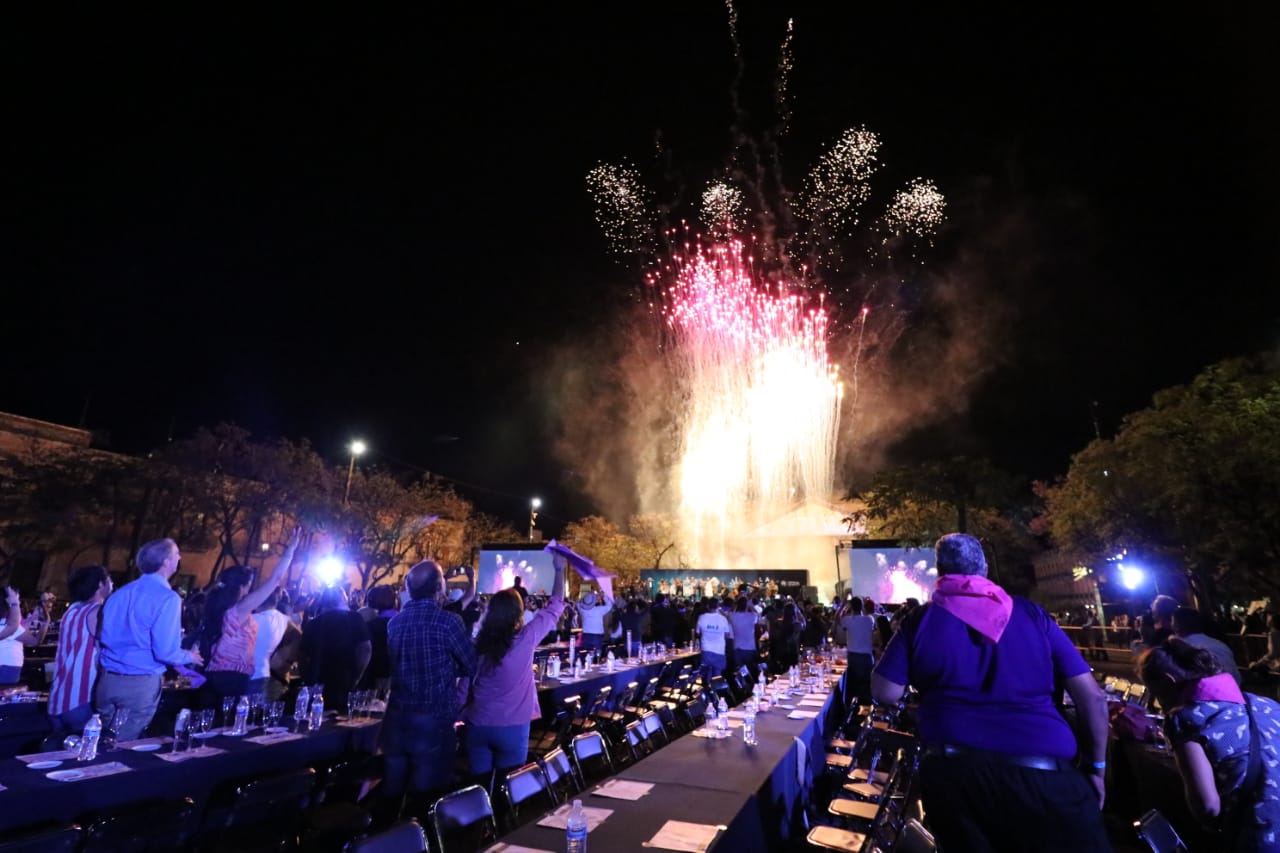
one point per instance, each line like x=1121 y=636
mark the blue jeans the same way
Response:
x=10 y=674
x=504 y=747
x=419 y=750
x=713 y=662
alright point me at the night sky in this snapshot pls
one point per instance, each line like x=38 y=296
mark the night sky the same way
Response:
x=327 y=228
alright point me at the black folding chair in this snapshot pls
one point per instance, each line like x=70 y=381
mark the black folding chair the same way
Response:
x=561 y=776
x=264 y=814
x=405 y=837
x=143 y=828
x=64 y=839
x=458 y=817
x=522 y=784
x=588 y=747
x=1157 y=833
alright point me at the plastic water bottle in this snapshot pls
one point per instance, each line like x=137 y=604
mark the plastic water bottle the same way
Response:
x=722 y=716
x=749 y=723
x=317 y=711
x=89 y=740
x=302 y=707
x=575 y=829
x=242 y=716
x=610 y=661
x=182 y=730
x=711 y=716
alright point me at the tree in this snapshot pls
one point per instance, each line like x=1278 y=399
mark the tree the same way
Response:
x=388 y=525
x=608 y=547
x=482 y=529
x=1193 y=480
x=916 y=504
x=657 y=536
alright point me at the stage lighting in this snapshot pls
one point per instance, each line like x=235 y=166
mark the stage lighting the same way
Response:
x=1130 y=576
x=330 y=570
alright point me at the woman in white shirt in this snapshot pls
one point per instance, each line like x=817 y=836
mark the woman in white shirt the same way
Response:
x=13 y=636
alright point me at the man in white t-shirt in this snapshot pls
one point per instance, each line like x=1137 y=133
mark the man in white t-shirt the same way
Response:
x=712 y=629
x=271 y=627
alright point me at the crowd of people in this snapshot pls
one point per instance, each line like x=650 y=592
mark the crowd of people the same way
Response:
x=989 y=670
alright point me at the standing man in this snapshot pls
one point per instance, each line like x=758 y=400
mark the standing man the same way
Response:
x=141 y=637
x=430 y=650
x=861 y=644
x=998 y=770
x=713 y=629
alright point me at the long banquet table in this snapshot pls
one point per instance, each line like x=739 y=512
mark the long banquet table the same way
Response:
x=754 y=793
x=551 y=691
x=28 y=797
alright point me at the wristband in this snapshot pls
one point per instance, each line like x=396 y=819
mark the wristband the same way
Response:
x=1099 y=765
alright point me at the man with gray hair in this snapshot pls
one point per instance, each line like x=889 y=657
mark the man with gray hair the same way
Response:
x=999 y=770
x=141 y=637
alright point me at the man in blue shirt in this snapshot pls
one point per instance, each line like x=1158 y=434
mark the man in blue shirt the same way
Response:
x=141 y=637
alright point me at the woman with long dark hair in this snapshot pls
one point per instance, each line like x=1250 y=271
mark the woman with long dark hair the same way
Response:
x=1226 y=743
x=504 y=697
x=229 y=632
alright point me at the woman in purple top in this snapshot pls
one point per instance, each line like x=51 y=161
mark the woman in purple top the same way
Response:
x=504 y=698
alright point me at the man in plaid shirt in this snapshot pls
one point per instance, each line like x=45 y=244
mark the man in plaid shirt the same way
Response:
x=430 y=650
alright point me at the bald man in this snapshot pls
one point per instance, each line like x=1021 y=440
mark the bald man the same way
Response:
x=430 y=650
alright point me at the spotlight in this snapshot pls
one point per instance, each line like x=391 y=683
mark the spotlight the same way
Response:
x=330 y=570
x=1130 y=576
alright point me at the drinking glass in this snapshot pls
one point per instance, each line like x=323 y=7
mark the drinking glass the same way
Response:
x=228 y=710
x=257 y=710
x=72 y=744
x=353 y=703
x=275 y=711
x=111 y=732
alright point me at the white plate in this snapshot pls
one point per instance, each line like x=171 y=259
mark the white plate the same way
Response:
x=65 y=775
x=276 y=730
x=205 y=735
x=146 y=747
x=44 y=765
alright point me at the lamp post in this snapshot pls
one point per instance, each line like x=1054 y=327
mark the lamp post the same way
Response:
x=357 y=448
x=534 y=506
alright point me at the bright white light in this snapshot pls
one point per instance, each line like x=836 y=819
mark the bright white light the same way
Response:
x=330 y=570
x=536 y=503
x=358 y=447
x=1130 y=576
x=266 y=546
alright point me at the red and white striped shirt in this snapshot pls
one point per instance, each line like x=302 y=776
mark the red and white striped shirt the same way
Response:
x=76 y=666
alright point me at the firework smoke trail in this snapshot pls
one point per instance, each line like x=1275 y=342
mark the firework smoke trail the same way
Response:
x=763 y=398
x=785 y=63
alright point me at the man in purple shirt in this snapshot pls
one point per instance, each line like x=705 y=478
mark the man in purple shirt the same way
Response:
x=998 y=770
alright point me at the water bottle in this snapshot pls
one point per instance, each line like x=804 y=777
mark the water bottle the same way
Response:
x=317 y=711
x=89 y=740
x=242 y=716
x=182 y=730
x=575 y=829
x=722 y=716
x=749 y=723
x=301 y=708
x=711 y=716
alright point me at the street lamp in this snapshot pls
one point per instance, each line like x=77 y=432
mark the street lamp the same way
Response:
x=534 y=506
x=357 y=448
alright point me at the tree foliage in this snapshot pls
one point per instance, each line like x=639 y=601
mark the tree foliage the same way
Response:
x=916 y=504
x=1193 y=480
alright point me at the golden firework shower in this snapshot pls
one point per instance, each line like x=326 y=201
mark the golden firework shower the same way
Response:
x=734 y=397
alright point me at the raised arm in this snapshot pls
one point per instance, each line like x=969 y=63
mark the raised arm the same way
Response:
x=254 y=599
x=470 y=594
x=557 y=583
x=12 y=619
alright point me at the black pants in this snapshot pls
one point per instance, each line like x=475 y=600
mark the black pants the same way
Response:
x=975 y=806
x=858 y=680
